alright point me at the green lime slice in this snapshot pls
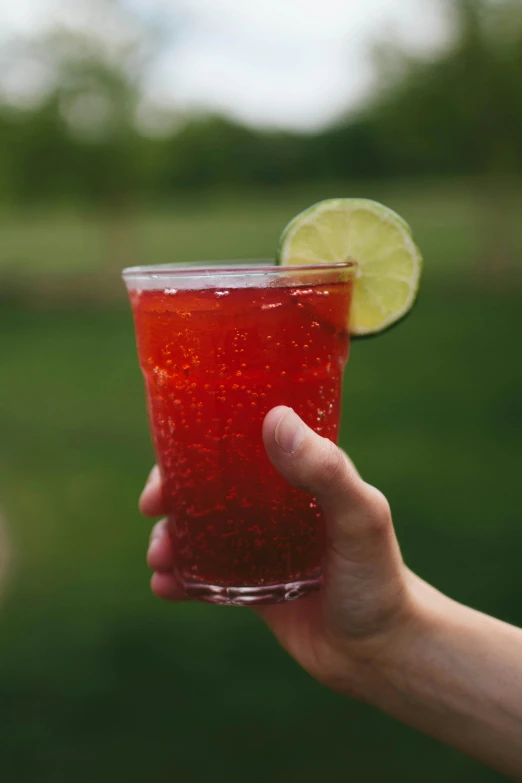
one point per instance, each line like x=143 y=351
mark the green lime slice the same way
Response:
x=379 y=240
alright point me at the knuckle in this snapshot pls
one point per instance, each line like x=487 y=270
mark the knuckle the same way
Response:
x=334 y=469
x=379 y=521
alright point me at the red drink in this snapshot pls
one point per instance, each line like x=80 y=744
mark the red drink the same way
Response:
x=218 y=350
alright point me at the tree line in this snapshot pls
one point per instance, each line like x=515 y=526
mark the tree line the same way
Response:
x=457 y=113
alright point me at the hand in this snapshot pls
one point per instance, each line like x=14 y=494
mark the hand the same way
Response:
x=366 y=603
x=375 y=631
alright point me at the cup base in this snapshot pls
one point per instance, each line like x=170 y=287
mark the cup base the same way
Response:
x=251 y=596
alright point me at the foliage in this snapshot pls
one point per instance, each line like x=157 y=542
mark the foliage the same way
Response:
x=461 y=112
x=458 y=112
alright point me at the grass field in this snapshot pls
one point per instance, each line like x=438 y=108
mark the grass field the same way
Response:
x=450 y=221
x=98 y=681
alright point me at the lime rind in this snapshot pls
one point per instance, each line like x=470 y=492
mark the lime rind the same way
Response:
x=379 y=240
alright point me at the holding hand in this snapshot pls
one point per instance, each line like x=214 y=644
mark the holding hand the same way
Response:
x=376 y=631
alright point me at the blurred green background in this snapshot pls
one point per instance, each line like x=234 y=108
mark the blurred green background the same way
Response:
x=98 y=680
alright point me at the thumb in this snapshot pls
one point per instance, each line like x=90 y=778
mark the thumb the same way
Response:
x=359 y=526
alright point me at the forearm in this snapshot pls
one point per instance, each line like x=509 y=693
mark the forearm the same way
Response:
x=456 y=675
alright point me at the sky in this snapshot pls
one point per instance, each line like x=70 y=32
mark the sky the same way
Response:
x=295 y=64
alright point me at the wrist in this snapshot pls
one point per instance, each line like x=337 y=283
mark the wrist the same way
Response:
x=454 y=674
x=383 y=664
x=396 y=666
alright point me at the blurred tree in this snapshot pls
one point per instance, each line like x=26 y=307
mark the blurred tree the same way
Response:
x=82 y=138
x=211 y=150
x=458 y=112
x=347 y=150
x=461 y=112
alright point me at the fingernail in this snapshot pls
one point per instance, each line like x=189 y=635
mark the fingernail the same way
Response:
x=290 y=432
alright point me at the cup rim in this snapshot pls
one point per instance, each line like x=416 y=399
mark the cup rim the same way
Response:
x=209 y=269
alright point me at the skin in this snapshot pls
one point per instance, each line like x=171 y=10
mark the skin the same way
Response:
x=376 y=632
